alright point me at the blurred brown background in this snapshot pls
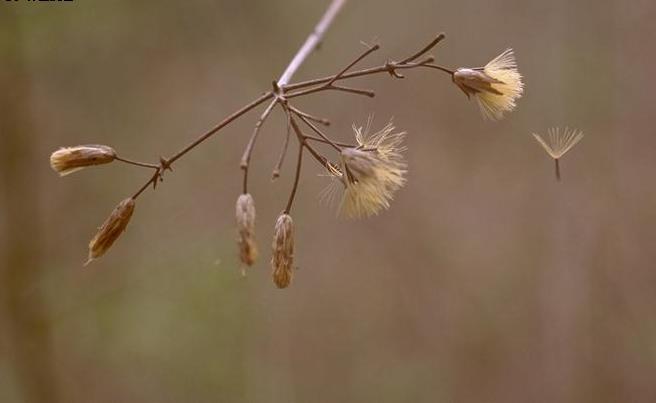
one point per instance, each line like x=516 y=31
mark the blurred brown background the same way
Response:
x=485 y=282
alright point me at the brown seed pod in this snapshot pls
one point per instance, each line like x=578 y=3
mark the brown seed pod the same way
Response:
x=67 y=160
x=282 y=260
x=245 y=214
x=111 y=229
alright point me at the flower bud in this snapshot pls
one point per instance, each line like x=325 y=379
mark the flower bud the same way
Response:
x=245 y=213
x=71 y=159
x=111 y=229
x=283 y=251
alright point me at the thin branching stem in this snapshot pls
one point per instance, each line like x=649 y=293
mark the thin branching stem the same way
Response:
x=297 y=176
x=286 y=90
x=320 y=133
x=352 y=90
x=317 y=156
x=283 y=150
x=425 y=49
x=264 y=97
x=247 y=108
x=343 y=88
x=308 y=47
x=153 y=179
x=313 y=118
x=136 y=163
x=330 y=84
x=248 y=152
x=364 y=54
x=388 y=67
x=312 y=41
x=441 y=68
x=320 y=140
x=320 y=158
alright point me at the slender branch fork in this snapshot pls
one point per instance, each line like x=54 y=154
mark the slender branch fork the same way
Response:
x=283 y=91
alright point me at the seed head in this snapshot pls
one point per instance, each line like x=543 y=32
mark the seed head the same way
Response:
x=371 y=172
x=496 y=87
x=71 y=159
x=245 y=213
x=282 y=260
x=111 y=229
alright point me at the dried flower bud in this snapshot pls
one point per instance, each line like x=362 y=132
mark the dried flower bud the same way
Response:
x=496 y=87
x=283 y=251
x=111 y=229
x=71 y=159
x=246 y=226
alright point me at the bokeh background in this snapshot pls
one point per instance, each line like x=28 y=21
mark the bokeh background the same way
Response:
x=486 y=281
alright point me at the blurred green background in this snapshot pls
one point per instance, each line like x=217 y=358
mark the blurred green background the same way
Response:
x=486 y=281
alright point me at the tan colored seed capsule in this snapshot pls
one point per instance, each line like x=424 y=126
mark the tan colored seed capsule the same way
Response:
x=111 y=229
x=282 y=260
x=245 y=214
x=67 y=160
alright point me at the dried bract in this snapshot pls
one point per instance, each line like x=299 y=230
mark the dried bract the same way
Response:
x=282 y=260
x=496 y=87
x=67 y=160
x=371 y=172
x=111 y=229
x=245 y=214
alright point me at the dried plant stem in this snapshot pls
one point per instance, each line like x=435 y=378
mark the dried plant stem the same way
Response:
x=166 y=164
x=137 y=163
x=312 y=41
x=153 y=180
x=320 y=158
x=283 y=150
x=246 y=158
x=306 y=115
x=283 y=91
x=297 y=176
x=389 y=67
x=302 y=139
x=330 y=84
x=438 y=67
x=556 y=160
x=264 y=97
x=320 y=133
x=320 y=140
x=425 y=49
x=366 y=53
x=357 y=91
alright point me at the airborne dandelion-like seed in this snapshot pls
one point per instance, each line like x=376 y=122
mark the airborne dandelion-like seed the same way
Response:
x=496 y=87
x=371 y=172
x=557 y=143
